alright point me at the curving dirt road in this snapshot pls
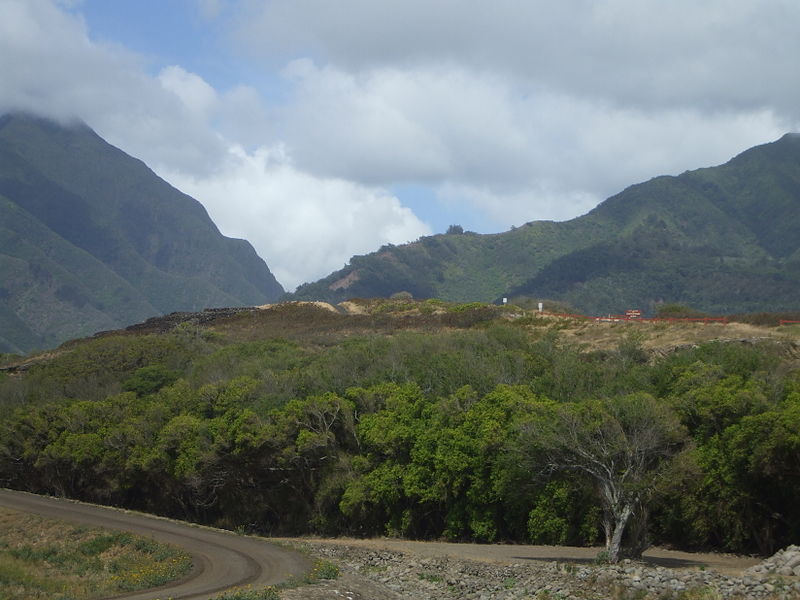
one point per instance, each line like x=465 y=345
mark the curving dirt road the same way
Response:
x=221 y=559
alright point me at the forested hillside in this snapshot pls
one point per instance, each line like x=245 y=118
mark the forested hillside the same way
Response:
x=91 y=239
x=723 y=239
x=420 y=419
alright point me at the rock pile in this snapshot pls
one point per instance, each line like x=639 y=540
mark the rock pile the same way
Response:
x=784 y=562
x=408 y=576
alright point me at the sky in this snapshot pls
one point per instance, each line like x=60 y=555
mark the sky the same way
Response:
x=321 y=129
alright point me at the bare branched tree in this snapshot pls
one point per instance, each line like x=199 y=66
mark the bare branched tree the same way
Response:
x=622 y=445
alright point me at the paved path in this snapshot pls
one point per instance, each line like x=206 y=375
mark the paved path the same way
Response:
x=221 y=559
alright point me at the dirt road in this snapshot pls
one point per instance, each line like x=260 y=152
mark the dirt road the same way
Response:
x=511 y=553
x=221 y=559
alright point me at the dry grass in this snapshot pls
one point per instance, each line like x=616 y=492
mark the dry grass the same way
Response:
x=598 y=335
x=45 y=559
x=310 y=323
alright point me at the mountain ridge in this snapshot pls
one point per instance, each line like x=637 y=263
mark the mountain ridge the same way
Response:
x=723 y=239
x=92 y=239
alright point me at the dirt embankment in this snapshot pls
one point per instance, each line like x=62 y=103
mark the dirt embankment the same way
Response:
x=514 y=553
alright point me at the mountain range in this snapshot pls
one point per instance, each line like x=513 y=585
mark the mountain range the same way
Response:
x=723 y=239
x=91 y=239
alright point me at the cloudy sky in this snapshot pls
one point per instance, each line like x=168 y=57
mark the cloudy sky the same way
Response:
x=319 y=129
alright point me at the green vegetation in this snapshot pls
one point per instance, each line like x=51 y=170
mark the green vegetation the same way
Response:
x=621 y=444
x=323 y=569
x=43 y=559
x=249 y=593
x=678 y=311
x=723 y=240
x=420 y=419
x=91 y=239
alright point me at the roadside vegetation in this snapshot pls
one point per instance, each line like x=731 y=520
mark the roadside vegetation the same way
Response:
x=52 y=560
x=323 y=569
x=423 y=420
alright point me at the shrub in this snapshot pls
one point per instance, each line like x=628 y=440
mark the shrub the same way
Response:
x=267 y=593
x=148 y=380
x=678 y=311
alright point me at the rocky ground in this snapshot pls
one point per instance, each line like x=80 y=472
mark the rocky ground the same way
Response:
x=370 y=573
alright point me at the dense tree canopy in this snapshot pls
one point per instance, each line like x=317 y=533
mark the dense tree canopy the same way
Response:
x=488 y=431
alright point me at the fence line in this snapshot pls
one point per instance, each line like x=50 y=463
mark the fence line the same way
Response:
x=618 y=318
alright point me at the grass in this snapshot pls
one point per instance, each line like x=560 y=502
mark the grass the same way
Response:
x=323 y=569
x=45 y=559
x=267 y=593
x=431 y=577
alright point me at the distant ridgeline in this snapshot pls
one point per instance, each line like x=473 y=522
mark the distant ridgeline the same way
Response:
x=91 y=239
x=723 y=239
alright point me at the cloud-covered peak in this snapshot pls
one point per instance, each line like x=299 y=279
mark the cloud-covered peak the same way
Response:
x=502 y=112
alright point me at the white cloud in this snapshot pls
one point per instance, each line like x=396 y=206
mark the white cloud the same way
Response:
x=719 y=53
x=527 y=110
x=510 y=208
x=199 y=98
x=309 y=226
x=51 y=67
x=517 y=152
x=579 y=98
x=197 y=138
x=243 y=116
x=521 y=110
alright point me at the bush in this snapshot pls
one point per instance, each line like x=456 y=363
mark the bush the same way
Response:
x=268 y=593
x=324 y=569
x=148 y=380
x=678 y=311
x=401 y=296
x=765 y=319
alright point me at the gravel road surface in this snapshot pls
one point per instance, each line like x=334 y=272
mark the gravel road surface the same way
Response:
x=221 y=559
x=510 y=553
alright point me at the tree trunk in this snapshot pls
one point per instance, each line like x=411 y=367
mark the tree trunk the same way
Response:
x=608 y=527
x=637 y=533
x=614 y=544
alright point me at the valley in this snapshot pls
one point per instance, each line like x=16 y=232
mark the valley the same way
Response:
x=303 y=300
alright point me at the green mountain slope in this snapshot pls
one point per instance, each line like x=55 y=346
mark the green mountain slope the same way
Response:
x=723 y=239
x=92 y=239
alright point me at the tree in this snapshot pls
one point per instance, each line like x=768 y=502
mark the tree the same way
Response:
x=752 y=480
x=455 y=230
x=149 y=379
x=621 y=445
